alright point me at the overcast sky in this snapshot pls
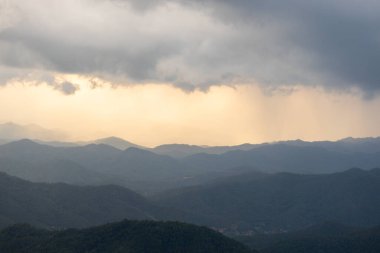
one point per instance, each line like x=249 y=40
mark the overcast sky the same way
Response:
x=204 y=71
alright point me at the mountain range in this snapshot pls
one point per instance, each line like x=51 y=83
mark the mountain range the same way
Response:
x=149 y=173
x=95 y=163
x=250 y=203
x=10 y=132
x=55 y=207
x=259 y=202
x=248 y=189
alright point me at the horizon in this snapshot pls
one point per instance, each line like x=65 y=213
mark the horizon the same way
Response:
x=225 y=121
x=91 y=141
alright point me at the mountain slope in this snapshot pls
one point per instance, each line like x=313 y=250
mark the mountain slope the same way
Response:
x=284 y=201
x=62 y=205
x=126 y=236
x=41 y=163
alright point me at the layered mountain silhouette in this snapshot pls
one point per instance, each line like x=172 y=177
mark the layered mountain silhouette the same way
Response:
x=347 y=145
x=251 y=203
x=148 y=172
x=95 y=163
x=286 y=158
x=10 y=132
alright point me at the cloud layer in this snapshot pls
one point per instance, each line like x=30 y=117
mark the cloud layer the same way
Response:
x=334 y=44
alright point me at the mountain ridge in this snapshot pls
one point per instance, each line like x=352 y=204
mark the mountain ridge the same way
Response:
x=124 y=236
x=61 y=205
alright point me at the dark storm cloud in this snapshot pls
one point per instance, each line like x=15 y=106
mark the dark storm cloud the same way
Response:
x=200 y=43
x=339 y=40
x=28 y=49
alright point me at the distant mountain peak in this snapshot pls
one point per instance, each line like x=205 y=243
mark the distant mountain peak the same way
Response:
x=116 y=142
x=24 y=142
x=112 y=138
x=361 y=139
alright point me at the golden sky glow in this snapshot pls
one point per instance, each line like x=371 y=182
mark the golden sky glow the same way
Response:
x=153 y=114
x=294 y=76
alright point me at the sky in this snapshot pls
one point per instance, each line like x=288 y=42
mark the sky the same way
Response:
x=211 y=72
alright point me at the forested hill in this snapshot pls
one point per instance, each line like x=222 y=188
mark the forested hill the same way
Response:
x=63 y=206
x=125 y=236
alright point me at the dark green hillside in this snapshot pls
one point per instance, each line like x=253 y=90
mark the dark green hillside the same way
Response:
x=126 y=236
x=62 y=205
